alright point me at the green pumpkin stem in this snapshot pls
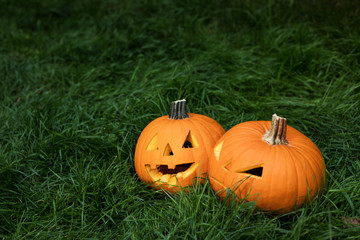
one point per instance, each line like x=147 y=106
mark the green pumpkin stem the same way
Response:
x=178 y=110
x=277 y=133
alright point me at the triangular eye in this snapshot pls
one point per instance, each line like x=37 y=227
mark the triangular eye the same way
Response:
x=190 y=141
x=153 y=145
x=168 y=151
x=187 y=144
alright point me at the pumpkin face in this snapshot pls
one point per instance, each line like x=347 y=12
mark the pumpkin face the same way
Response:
x=278 y=169
x=172 y=152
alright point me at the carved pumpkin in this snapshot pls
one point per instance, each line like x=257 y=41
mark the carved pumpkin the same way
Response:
x=173 y=150
x=267 y=162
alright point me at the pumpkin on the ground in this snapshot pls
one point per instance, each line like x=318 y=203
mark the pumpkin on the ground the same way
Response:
x=173 y=150
x=267 y=162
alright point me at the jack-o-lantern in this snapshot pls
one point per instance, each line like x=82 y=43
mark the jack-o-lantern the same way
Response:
x=174 y=149
x=267 y=162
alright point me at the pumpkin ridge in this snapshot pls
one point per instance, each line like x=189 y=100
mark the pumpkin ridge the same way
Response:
x=249 y=148
x=270 y=179
x=246 y=132
x=249 y=128
x=202 y=128
x=316 y=170
x=210 y=132
x=298 y=168
x=219 y=134
x=315 y=152
x=313 y=174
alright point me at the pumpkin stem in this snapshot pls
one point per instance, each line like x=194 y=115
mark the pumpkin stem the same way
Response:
x=277 y=133
x=178 y=110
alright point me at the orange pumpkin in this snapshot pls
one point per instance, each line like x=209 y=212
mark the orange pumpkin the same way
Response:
x=174 y=149
x=267 y=162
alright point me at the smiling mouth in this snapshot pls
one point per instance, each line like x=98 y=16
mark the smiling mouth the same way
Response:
x=163 y=174
x=178 y=168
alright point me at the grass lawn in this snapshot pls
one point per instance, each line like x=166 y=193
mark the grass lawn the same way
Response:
x=80 y=80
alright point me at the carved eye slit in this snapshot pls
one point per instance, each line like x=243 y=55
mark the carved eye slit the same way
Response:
x=255 y=171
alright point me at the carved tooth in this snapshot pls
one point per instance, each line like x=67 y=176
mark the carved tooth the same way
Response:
x=153 y=166
x=171 y=166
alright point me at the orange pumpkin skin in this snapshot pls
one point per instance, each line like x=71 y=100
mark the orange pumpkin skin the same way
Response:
x=278 y=178
x=161 y=146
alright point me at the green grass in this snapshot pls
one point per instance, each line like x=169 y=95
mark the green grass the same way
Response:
x=79 y=80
